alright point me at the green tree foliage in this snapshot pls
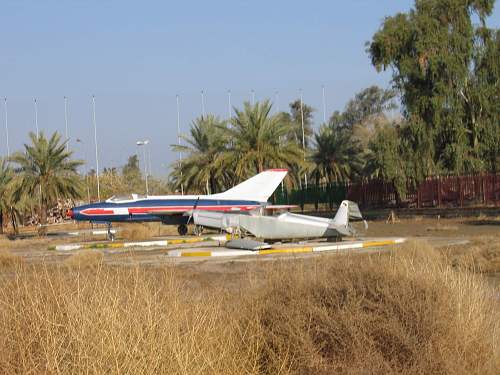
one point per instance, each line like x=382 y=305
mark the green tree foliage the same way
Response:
x=201 y=170
x=385 y=158
x=364 y=114
x=435 y=58
x=294 y=119
x=335 y=157
x=258 y=141
x=132 y=175
x=370 y=102
x=46 y=172
x=6 y=176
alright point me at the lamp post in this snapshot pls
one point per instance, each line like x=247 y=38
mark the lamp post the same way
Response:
x=303 y=132
x=324 y=104
x=6 y=128
x=36 y=118
x=78 y=140
x=179 y=140
x=202 y=104
x=144 y=143
x=66 y=121
x=96 y=153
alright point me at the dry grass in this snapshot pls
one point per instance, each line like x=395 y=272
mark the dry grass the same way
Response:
x=7 y=259
x=137 y=232
x=85 y=259
x=482 y=256
x=409 y=312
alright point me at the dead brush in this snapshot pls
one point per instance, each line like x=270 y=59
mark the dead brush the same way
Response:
x=85 y=259
x=7 y=259
x=407 y=312
x=137 y=232
x=107 y=319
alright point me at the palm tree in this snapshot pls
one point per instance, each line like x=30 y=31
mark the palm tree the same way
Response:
x=46 y=173
x=336 y=157
x=258 y=141
x=6 y=176
x=200 y=169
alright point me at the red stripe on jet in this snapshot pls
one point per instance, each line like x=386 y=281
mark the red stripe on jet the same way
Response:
x=97 y=211
x=146 y=210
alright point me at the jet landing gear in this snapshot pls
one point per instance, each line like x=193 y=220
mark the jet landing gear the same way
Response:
x=182 y=229
x=111 y=236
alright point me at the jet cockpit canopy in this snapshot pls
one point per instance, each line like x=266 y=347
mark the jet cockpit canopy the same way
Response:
x=125 y=198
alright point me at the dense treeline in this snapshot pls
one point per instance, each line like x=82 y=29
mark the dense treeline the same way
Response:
x=446 y=72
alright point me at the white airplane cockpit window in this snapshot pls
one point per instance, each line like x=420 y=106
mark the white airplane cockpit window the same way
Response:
x=126 y=198
x=121 y=198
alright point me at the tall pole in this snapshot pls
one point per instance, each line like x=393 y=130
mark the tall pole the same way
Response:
x=229 y=108
x=303 y=132
x=36 y=118
x=179 y=139
x=6 y=127
x=145 y=168
x=85 y=168
x=66 y=121
x=277 y=100
x=324 y=104
x=96 y=153
x=202 y=103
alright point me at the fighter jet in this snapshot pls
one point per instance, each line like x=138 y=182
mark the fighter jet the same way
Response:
x=286 y=225
x=177 y=209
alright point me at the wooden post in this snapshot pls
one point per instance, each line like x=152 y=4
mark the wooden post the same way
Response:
x=439 y=191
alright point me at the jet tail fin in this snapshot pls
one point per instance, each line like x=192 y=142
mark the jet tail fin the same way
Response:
x=257 y=188
x=348 y=211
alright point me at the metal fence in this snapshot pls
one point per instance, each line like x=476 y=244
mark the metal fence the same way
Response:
x=439 y=191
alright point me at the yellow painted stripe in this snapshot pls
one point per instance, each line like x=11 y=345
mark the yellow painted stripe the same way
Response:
x=197 y=254
x=378 y=243
x=287 y=250
x=116 y=245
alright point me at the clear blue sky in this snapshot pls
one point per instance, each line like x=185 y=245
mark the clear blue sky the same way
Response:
x=135 y=56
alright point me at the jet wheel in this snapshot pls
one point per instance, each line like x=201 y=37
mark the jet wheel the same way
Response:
x=182 y=229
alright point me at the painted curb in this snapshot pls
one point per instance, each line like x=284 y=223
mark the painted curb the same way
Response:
x=289 y=250
x=118 y=245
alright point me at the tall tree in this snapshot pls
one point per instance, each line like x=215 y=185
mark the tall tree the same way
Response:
x=370 y=102
x=336 y=158
x=295 y=120
x=132 y=174
x=6 y=176
x=430 y=51
x=201 y=170
x=259 y=140
x=46 y=172
x=386 y=159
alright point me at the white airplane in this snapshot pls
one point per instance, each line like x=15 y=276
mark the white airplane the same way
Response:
x=286 y=225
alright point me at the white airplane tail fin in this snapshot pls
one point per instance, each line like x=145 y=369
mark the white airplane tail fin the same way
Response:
x=257 y=188
x=347 y=211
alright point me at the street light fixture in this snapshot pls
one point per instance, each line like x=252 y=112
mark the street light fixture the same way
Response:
x=145 y=143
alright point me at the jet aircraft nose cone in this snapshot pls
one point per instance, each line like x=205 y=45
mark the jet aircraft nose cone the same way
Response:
x=70 y=213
